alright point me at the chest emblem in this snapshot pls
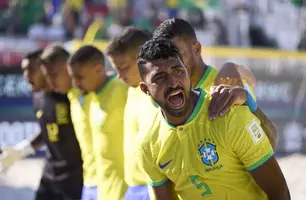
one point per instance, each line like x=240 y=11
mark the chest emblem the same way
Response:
x=208 y=153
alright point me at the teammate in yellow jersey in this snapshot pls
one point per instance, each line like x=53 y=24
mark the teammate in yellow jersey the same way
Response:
x=185 y=154
x=107 y=102
x=54 y=60
x=122 y=52
x=181 y=33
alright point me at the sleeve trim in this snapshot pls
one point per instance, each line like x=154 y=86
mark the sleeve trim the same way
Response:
x=261 y=161
x=157 y=184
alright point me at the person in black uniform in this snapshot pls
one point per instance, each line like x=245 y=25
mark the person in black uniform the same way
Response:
x=62 y=177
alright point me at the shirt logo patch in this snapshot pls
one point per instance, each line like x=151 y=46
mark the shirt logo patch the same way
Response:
x=255 y=131
x=208 y=153
x=162 y=166
x=62 y=113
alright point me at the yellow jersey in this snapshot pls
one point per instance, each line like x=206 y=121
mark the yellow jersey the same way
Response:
x=208 y=79
x=138 y=114
x=106 y=119
x=79 y=115
x=206 y=159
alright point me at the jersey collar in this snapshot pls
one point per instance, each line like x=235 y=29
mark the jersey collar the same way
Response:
x=106 y=84
x=204 y=77
x=195 y=110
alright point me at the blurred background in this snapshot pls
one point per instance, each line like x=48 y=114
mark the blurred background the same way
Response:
x=268 y=36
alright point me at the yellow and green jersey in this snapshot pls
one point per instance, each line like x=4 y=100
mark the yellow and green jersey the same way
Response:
x=106 y=119
x=79 y=114
x=206 y=159
x=208 y=79
x=138 y=114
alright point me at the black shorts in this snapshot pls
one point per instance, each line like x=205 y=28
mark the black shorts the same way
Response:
x=48 y=190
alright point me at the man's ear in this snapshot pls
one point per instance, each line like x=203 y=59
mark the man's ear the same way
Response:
x=144 y=88
x=198 y=48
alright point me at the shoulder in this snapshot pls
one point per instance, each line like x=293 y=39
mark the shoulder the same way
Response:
x=148 y=138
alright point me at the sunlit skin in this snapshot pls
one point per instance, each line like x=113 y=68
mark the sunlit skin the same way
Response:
x=168 y=83
x=87 y=77
x=57 y=76
x=126 y=67
x=33 y=74
x=190 y=51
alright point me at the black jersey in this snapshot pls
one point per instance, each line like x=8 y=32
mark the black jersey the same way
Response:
x=63 y=154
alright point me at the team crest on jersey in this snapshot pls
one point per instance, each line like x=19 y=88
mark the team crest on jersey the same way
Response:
x=208 y=152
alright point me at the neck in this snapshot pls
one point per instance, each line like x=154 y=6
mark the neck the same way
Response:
x=101 y=83
x=197 y=72
x=176 y=121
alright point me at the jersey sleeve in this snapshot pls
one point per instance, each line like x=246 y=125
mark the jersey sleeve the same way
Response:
x=247 y=138
x=145 y=160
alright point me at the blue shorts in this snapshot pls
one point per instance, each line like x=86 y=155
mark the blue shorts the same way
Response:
x=89 y=193
x=137 y=193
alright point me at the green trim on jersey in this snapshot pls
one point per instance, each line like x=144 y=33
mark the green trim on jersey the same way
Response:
x=106 y=84
x=261 y=161
x=198 y=106
x=204 y=77
x=157 y=184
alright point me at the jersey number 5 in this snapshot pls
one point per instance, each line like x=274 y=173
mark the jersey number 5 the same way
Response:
x=200 y=184
x=52 y=132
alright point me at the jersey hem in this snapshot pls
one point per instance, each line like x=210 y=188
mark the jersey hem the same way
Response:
x=262 y=161
x=157 y=184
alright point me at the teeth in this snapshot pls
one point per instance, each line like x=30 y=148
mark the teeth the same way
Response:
x=175 y=93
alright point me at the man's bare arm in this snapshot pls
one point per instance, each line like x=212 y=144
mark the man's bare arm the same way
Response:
x=270 y=179
x=268 y=127
x=165 y=192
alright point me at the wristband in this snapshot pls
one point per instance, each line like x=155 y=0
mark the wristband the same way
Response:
x=251 y=103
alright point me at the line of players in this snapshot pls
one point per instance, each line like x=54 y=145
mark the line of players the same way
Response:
x=149 y=136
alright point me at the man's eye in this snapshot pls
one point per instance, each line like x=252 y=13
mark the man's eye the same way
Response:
x=160 y=77
x=179 y=71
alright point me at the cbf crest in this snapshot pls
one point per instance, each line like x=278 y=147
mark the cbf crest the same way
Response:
x=208 y=152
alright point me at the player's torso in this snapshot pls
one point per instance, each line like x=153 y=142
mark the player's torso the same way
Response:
x=80 y=117
x=138 y=116
x=106 y=119
x=196 y=158
x=53 y=114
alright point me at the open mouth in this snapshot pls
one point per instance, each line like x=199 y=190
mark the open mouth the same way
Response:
x=176 y=99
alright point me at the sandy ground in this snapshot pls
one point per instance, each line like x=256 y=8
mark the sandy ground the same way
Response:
x=22 y=179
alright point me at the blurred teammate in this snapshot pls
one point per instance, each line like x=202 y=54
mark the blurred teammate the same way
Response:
x=54 y=61
x=107 y=97
x=122 y=53
x=187 y=154
x=183 y=36
x=62 y=174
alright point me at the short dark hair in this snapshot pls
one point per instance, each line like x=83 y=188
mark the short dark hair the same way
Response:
x=33 y=54
x=175 y=27
x=154 y=49
x=130 y=40
x=87 y=54
x=54 y=53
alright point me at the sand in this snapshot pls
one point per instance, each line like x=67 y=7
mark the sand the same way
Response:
x=22 y=179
